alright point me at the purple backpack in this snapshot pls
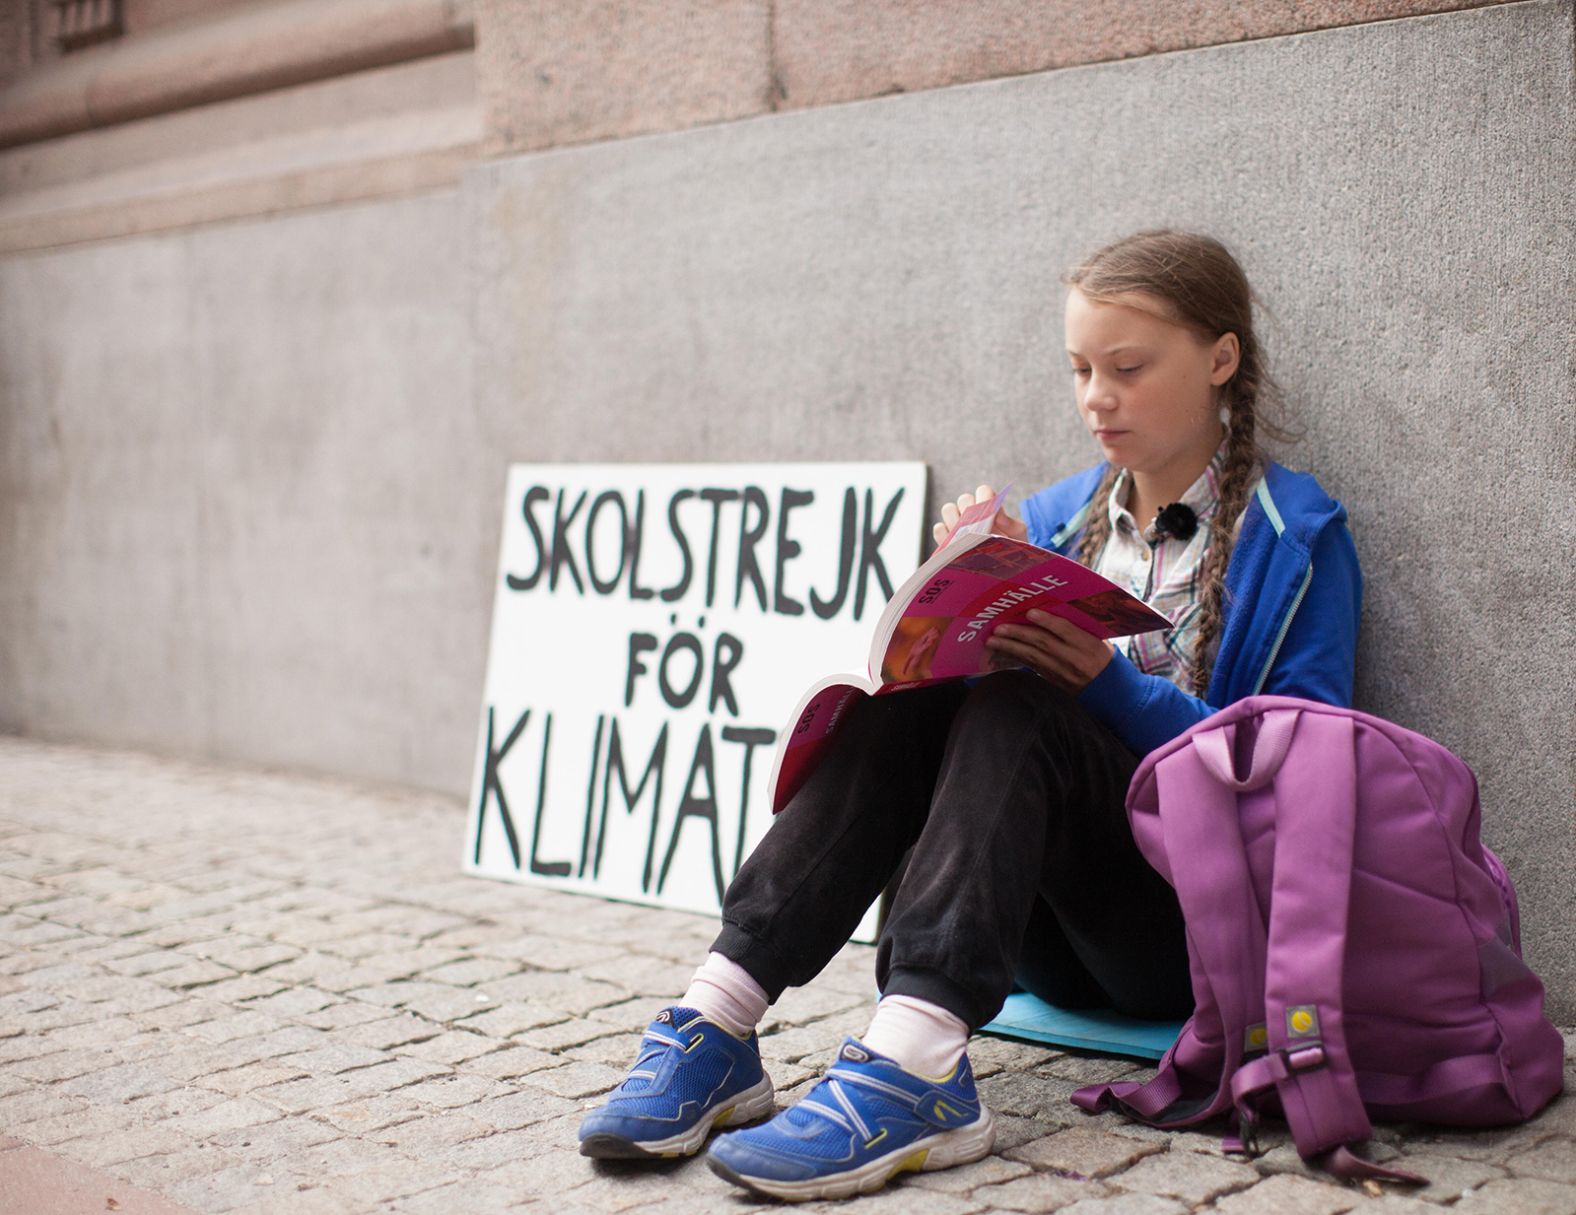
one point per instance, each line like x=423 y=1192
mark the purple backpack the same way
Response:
x=1354 y=948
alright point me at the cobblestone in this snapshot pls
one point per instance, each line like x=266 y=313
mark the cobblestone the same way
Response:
x=319 y=1092
x=387 y=1032
x=501 y=1026
x=228 y=1028
x=193 y=974
x=468 y=972
x=104 y=1033
x=572 y=993
x=1193 y=1178
x=200 y=995
x=515 y=1061
x=123 y=1083
x=520 y=1109
x=19 y=1045
x=1553 y=1160
x=344 y=1015
x=548 y=953
x=61 y=1065
x=619 y=1050
x=372 y=1113
x=1448 y=1177
x=235 y=1114
x=179 y=1014
x=563 y=1034
x=1519 y=1196
x=121 y=1145
x=1083 y=1152
x=1130 y=1204
x=162 y=1173
x=228 y=1188
x=455 y=1046
x=1287 y=1195
x=454 y=1091
x=1091 y=1069
x=577 y=1079
x=468 y=1195
x=140 y=964
x=270 y=1141
x=60 y=1127
x=1036 y=1192
x=244 y=987
x=993 y=1170
x=1395 y=1204
x=1013 y=1132
x=423 y=1134
x=249 y=1078
x=1011 y=1092
x=177 y=1103
x=332 y=1058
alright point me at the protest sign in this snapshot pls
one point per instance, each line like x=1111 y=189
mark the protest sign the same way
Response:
x=652 y=628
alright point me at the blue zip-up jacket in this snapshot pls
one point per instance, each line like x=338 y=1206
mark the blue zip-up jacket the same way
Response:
x=1293 y=596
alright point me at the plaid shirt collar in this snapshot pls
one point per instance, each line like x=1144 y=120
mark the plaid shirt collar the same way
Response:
x=1203 y=496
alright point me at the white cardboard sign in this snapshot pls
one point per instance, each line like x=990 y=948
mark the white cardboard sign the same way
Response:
x=653 y=627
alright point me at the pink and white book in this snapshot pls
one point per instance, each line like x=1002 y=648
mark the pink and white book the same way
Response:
x=935 y=626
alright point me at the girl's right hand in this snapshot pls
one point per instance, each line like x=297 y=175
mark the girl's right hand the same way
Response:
x=1004 y=524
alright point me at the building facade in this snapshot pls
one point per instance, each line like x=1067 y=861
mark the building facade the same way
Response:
x=286 y=284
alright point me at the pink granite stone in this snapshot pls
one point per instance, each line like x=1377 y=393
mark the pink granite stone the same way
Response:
x=827 y=52
x=553 y=73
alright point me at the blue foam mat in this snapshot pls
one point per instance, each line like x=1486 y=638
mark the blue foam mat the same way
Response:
x=1099 y=1029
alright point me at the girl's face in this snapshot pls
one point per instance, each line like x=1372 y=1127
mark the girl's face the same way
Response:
x=1146 y=387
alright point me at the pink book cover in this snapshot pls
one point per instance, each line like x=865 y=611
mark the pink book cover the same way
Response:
x=937 y=622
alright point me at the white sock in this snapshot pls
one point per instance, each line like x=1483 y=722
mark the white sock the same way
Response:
x=923 y=1037
x=723 y=991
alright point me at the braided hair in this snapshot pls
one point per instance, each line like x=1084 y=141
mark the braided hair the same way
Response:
x=1197 y=283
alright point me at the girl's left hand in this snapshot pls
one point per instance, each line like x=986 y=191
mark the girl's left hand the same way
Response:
x=1058 y=649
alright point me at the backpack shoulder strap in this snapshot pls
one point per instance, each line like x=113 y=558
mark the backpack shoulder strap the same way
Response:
x=1307 y=1062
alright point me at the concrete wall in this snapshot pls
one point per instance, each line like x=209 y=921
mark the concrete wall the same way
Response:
x=235 y=471
x=879 y=280
x=250 y=470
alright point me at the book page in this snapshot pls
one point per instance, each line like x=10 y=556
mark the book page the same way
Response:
x=976 y=520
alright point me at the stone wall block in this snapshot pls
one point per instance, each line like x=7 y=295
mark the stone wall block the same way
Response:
x=16 y=38
x=553 y=73
x=557 y=73
x=243 y=51
x=827 y=52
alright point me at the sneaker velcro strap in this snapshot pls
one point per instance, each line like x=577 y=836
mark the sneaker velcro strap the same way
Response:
x=934 y=1105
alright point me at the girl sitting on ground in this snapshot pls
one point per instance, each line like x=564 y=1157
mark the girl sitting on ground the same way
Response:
x=1010 y=789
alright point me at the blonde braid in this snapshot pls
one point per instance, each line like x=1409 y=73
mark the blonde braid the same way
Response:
x=1097 y=527
x=1236 y=482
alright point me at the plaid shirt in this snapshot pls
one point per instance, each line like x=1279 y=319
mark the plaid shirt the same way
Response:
x=1162 y=571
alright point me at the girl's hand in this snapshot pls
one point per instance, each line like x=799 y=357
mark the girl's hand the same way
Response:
x=1058 y=649
x=1004 y=524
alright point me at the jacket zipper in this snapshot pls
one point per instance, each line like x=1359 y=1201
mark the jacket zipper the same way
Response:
x=1296 y=603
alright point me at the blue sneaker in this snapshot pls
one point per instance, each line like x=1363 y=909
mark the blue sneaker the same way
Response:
x=865 y=1122
x=690 y=1076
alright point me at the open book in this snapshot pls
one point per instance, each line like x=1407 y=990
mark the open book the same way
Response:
x=935 y=626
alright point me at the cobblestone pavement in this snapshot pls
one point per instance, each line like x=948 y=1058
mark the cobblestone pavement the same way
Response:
x=227 y=990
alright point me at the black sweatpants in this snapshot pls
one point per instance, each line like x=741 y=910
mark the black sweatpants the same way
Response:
x=1023 y=866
